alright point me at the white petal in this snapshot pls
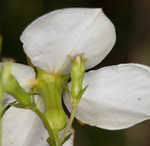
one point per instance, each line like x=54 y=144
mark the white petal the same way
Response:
x=52 y=37
x=117 y=97
x=24 y=75
x=24 y=128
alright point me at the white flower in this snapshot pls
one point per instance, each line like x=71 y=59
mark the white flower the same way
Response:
x=23 y=127
x=49 y=40
x=117 y=96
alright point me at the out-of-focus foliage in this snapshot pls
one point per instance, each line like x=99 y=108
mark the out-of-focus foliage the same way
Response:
x=1 y=94
x=1 y=43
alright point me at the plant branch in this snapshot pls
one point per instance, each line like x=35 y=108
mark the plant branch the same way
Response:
x=68 y=127
x=53 y=134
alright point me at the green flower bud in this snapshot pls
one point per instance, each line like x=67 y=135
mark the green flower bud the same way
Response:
x=12 y=87
x=56 y=118
x=50 y=87
x=77 y=75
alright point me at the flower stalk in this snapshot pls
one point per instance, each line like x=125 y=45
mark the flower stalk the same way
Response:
x=76 y=91
x=53 y=140
x=50 y=86
x=69 y=125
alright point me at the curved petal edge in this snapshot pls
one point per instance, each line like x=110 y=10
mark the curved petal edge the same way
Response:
x=117 y=97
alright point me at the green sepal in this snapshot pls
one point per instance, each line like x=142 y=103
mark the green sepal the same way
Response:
x=82 y=92
x=19 y=105
x=33 y=92
x=11 y=85
x=77 y=75
x=50 y=86
x=51 y=141
x=67 y=90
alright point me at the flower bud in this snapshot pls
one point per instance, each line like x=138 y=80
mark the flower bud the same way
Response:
x=50 y=87
x=11 y=86
x=77 y=75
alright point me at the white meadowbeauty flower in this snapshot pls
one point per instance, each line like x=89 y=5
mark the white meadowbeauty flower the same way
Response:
x=22 y=127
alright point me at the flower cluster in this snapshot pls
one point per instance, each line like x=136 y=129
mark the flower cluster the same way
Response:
x=117 y=97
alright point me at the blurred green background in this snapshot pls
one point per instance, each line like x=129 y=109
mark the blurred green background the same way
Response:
x=131 y=18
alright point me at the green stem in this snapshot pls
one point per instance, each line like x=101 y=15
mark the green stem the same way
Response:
x=53 y=134
x=69 y=125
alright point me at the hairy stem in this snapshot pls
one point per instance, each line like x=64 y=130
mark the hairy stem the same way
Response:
x=69 y=125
